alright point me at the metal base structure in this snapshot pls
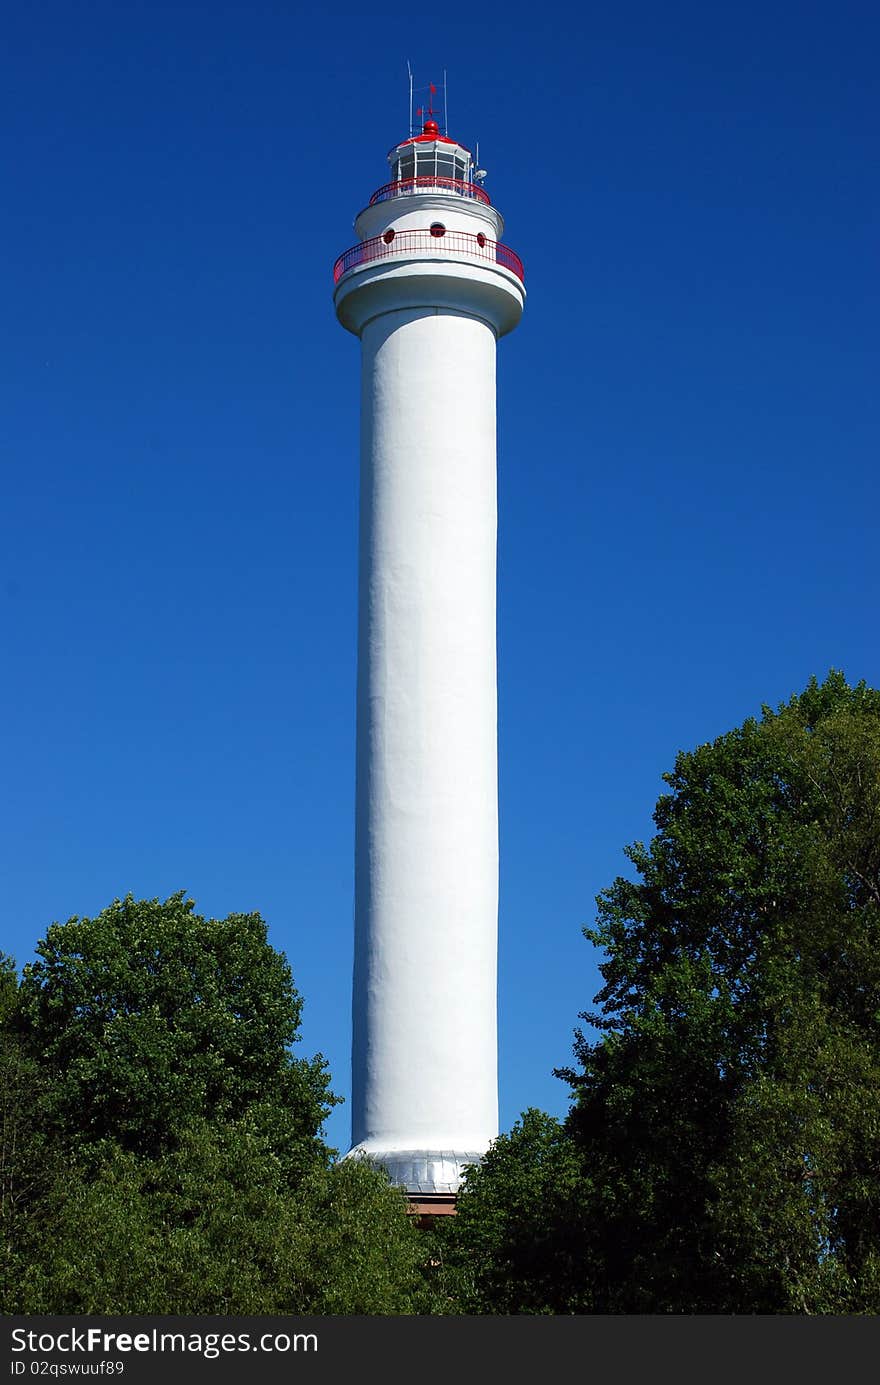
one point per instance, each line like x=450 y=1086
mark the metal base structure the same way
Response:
x=431 y=1179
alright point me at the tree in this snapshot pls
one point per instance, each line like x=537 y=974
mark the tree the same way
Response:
x=724 y=1141
x=8 y=988
x=214 y=1227
x=161 y=1146
x=30 y=1163
x=731 y=1107
x=519 y=1242
x=150 y=1017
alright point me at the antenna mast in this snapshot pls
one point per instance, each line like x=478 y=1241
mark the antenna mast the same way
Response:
x=409 y=70
x=445 y=112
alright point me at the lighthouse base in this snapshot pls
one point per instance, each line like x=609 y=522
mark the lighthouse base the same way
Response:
x=426 y=1176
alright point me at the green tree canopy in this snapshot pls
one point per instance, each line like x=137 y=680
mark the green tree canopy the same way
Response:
x=726 y=1118
x=150 y=1017
x=518 y=1243
x=215 y=1227
x=160 y=1146
x=30 y=1162
x=8 y=987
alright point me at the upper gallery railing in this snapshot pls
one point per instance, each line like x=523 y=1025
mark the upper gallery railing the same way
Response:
x=436 y=239
x=405 y=186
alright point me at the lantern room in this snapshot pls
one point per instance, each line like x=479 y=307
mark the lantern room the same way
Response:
x=430 y=155
x=432 y=160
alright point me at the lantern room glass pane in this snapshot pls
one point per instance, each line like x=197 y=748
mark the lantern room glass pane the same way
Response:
x=425 y=163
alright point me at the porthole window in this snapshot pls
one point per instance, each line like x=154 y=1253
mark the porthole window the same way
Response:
x=438 y=229
x=481 y=239
x=388 y=237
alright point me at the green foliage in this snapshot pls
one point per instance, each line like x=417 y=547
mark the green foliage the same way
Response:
x=159 y=1146
x=731 y=1108
x=215 y=1227
x=30 y=1162
x=517 y=1243
x=358 y=1250
x=723 y=1151
x=8 y=988
x=150 y=1017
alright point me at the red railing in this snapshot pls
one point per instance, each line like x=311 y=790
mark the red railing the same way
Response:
x=458 y=244
x=404 y=186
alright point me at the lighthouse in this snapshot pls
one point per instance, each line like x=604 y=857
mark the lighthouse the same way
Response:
x=429 y=288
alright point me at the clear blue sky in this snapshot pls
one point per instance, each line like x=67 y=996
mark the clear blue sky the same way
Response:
x=688 y=465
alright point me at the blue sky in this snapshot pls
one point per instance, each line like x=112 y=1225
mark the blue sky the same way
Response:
x=688 y=461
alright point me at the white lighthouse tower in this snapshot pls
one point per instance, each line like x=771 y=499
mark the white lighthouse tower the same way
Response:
x=429 y=288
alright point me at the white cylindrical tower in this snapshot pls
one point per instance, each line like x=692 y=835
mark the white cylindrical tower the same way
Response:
x=428 y=289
